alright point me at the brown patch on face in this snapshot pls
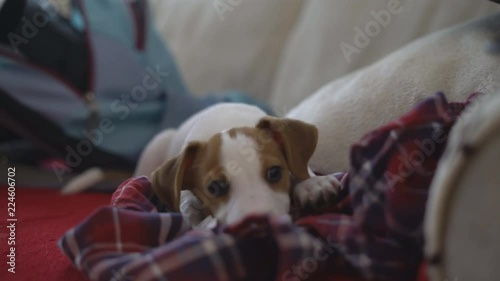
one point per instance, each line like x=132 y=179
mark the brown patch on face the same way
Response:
x=270 y=155
x=207 y=166
x=206 y=169
x=232 y=132
x=297 y=140
x=282 y=144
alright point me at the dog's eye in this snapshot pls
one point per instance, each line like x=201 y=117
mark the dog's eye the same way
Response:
x=218 y=188
x=274 y=174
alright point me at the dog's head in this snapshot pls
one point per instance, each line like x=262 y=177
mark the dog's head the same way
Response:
x=241 y=171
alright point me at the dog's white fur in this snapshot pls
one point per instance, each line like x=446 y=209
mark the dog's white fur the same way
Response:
x=454 y=61
x=250 y=193
x=199 y=127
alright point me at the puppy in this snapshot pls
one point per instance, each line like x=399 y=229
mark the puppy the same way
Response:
x=236 y=161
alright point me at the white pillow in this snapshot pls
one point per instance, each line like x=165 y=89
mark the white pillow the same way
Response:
x=227 y=44
x=313 y=55
x=455 y=61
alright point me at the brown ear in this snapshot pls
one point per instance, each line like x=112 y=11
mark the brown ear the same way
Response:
x=170 y=178
x=297 y=139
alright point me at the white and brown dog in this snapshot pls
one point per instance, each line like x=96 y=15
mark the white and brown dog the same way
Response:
x=236 y=161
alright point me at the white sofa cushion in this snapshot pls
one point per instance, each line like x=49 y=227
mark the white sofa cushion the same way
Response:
x=455 y=61
x=227 y=44
x=313 y=55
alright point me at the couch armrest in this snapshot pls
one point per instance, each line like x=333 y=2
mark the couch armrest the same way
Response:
x=462 y=224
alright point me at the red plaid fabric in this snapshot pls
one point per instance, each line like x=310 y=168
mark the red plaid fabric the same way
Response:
x=374 y=231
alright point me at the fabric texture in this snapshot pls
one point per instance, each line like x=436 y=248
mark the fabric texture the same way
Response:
x=334 y=38
x=282 y=51
x=43 y=215
x=134 y=90
x=457 y=229
x=349 y=107
x=224 y=45
x=373 y=231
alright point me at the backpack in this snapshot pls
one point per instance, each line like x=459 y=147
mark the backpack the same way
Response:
x=96 y=96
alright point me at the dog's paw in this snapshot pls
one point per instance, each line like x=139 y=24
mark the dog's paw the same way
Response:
x=316 y=192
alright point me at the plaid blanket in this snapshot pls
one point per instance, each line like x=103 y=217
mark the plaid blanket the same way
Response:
x=373 y=231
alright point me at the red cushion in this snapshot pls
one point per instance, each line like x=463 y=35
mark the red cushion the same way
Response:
x=43 y=215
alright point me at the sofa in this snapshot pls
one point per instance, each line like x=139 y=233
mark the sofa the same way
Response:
x=289 y=54
x=297 y=55
x=282 y=51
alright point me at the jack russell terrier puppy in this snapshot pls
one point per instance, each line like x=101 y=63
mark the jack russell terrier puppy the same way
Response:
x=236 y=161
